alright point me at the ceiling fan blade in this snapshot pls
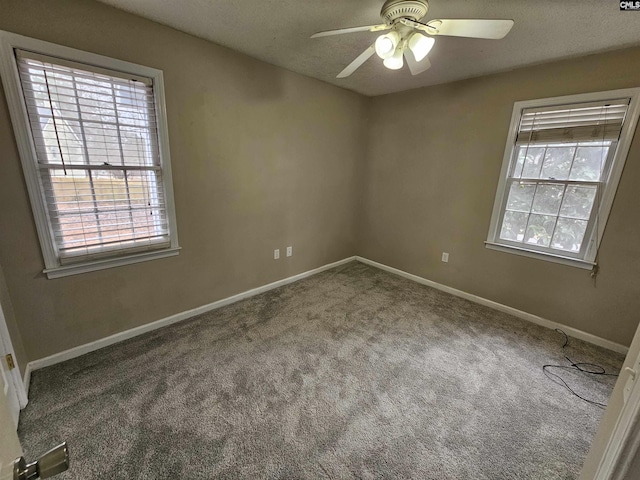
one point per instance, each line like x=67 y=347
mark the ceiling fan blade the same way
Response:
x=415 y=67
x=340 y=31
x=473 y=28
x=353 y=66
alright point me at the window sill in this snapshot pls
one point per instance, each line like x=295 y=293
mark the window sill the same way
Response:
x=572 y=262
x=85 y=267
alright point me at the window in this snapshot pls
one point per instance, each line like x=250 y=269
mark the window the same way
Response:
x=94 y=149
x=562 y=164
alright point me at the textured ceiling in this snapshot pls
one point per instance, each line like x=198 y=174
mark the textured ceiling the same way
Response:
x=277 y=32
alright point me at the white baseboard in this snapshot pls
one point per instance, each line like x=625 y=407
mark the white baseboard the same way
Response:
x=573 y=332
x=178 y=317
x=26 y=379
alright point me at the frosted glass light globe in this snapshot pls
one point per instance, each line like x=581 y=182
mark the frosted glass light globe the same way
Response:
x=420 y=45
x=386 y=44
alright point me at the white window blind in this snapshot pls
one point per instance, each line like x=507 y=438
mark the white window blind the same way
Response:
x=96 y=143
x=566 y=123
x=559 y=169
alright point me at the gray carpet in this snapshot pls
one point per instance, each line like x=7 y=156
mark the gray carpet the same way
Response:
x=352 y=373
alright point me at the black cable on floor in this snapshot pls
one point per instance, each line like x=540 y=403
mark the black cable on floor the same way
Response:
x=587 y=368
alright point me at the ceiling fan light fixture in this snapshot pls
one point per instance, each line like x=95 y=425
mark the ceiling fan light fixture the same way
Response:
x=420 y=45
x=387 y=44
x=395 y=62
x=402 y=20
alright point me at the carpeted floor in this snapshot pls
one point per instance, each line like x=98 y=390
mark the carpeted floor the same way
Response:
x=351 y=374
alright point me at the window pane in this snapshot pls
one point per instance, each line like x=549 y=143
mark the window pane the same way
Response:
x=102 y=144
x=548 y=198
x=513 y=226
x=136 y=146
x=76 y=230
x=589 y=163
x=578 y=202
x=540 y=229
x=517 y=169
x=62 y=143
x=569 y=234
x=557 y=163
x=530 y=162
x=521 y=196
x=96 y=109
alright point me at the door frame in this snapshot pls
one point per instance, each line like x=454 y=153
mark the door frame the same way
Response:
x=6 y=347
x=623 y=444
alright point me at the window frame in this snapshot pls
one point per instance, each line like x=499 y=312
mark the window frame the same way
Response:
x=608 y=186
x=26 y=147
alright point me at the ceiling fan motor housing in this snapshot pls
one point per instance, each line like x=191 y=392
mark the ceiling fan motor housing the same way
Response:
x=394 y=9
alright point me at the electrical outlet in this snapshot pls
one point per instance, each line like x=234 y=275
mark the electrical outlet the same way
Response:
x=276 y=254
x=445 y=257
x=289 y=251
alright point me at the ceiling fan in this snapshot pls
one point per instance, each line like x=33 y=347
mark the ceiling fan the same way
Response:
x=402 y=18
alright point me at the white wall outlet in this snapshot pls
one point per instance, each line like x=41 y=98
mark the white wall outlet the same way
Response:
x=445 y=257
x=276 y=254
x=289 y=251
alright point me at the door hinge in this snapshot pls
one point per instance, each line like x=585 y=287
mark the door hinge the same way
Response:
x=10 y=362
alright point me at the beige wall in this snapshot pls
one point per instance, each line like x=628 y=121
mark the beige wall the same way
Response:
x=431 y=174
x=262 y=158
